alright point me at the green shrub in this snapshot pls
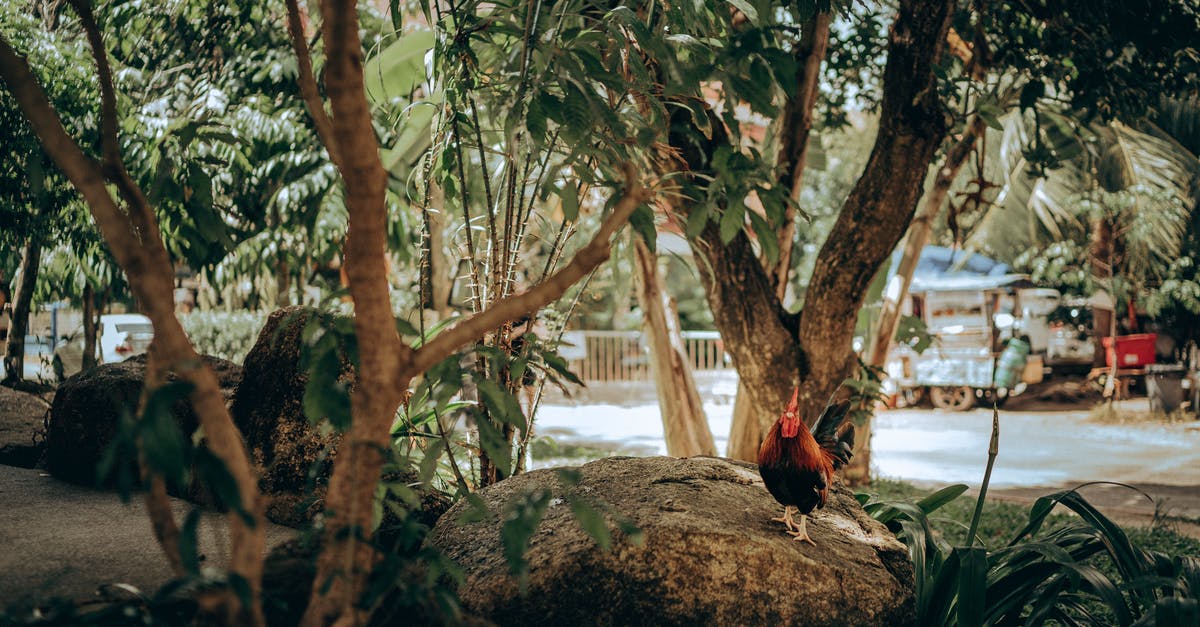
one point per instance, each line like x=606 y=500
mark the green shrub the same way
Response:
x=228 y=335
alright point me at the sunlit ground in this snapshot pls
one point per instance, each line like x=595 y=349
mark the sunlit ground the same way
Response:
x=1044 y=448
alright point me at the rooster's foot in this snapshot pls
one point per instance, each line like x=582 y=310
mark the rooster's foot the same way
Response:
x=787 y=519
x=802 y=534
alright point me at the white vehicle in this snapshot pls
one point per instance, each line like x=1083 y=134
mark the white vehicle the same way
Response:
x=121 y=336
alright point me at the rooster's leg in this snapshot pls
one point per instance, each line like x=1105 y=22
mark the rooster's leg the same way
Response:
x=802 y=534
x=787 y=519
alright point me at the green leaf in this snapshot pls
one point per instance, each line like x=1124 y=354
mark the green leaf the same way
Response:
x=732 y=221
x=189 y=552
x=972 y=586
x=570 y=202
x=697 y=219
x=495 y=445
x=937 y=500
x=591 y=521
x=642 y=221
x=220 y=482
x=556 y=363
x=535 y=122
x=325 y=396
x=398 y=68
x=119 y=463
x=163 y=445
x=501 y=404
x=912 y=331
x=990 y=111
x=521 y=519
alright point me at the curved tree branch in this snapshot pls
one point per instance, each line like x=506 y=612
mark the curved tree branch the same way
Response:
x=144 y=259
x=140 y=215
x=879 y=208
x=346 y=559
x=589 y=257
x=308 y=82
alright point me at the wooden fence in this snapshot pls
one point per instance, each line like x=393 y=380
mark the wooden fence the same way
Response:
x=603 y=356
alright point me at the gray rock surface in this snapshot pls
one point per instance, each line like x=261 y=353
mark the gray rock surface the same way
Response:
x=86 y=412
x=711 y=555
x=22 y=419
x=67 y=541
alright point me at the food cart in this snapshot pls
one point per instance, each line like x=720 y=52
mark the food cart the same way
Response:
x=989 y=335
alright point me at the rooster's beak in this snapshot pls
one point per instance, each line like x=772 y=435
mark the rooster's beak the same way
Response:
x=794 y=404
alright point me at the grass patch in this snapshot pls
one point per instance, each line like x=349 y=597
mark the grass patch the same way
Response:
x=1003 y=520
x=1114 y=413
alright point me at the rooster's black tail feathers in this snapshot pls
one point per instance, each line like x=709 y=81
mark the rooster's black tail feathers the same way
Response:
x=834 y=436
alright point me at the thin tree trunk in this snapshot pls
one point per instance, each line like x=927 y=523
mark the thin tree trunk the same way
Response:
x=14 y=357
x=441 y=267
x=1103 y=321
x=919 y=230
x=798 y=122
x=746 y=431
x=283 y=281
x=133 y=236
x=685 y=426
x=90 y=317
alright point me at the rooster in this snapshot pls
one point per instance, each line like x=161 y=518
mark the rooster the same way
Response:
x=797 y=464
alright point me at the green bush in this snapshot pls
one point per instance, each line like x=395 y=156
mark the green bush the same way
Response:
x=228 y=335
x=1031 y=566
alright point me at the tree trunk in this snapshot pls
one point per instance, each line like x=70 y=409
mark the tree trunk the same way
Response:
x=1102 y=256
x=773 y=351
x=283 y=281
x=798 y=122
x=745 y=432
x=14 y=356
x=685 y=426
x=441 y=267
x=90 y=317
x=884 y=329
x=132 y=233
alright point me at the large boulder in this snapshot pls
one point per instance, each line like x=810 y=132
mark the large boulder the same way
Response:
x=288 y=451
x=87 y=408
x=22 y=419
x=711 y=555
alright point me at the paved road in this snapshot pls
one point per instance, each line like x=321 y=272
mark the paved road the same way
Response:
x=1037 y=448
x=58 y=539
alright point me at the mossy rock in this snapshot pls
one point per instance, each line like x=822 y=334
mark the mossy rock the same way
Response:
x=293 y=456
x=711 y=554
x=88 y=406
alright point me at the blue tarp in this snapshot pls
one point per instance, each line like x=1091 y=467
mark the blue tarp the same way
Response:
x=939 y=261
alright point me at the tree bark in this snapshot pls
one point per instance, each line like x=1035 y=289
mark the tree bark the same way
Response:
x=879 y=208
x=919 y=231
x=133 y=237
x=685 y=426
x=798 y=122
x=283 y=280
x=773 y=351
x=1102 y=263
x=89 y=326
x=14 y=356
x=441 y=267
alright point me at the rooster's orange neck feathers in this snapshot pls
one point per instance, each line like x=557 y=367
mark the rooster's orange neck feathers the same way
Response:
x=789 y=422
